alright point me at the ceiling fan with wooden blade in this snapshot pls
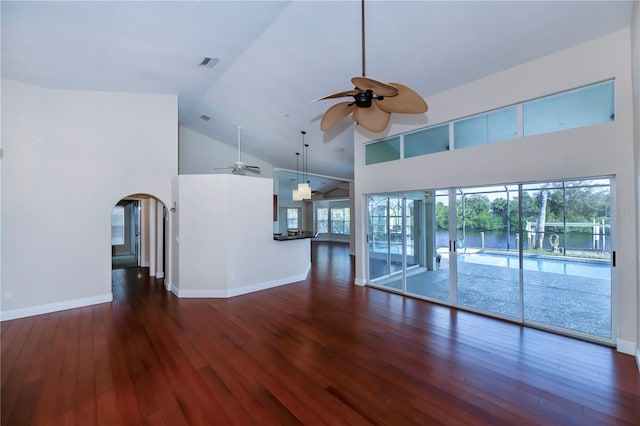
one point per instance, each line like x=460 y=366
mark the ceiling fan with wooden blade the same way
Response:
x=239 y=167
x=373 y=101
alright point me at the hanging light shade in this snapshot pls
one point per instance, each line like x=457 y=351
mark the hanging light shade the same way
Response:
x=305 y=191
x=304 y=188
x=296 y=195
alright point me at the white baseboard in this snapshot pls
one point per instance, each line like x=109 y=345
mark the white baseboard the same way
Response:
x=360 y=282
x=55 y=307
x=231 y=292
x=173 y=289
x=200 y=294
x=159 y=274
x=167 y=285
x=626 y=347
x=268 y=284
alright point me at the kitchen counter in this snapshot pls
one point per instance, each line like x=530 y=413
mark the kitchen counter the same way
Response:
x=298 y=236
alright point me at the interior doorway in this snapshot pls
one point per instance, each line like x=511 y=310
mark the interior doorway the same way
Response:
x=139 y=230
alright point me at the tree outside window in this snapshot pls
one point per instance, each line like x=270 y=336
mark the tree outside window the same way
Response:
x=322 y=220
x=340 y=221
x=292 y=219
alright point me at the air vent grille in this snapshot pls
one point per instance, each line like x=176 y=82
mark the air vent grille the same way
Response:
x=208 y=62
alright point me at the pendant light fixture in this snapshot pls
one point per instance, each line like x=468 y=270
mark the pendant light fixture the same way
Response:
x=304 y=188
x=296 y=195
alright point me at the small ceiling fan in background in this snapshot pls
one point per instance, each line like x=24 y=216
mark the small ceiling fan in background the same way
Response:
x=239 y=167
x=373 y=101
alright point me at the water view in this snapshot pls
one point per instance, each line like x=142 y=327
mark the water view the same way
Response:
x=564 y=266
x=556 y=271
x=499 y=240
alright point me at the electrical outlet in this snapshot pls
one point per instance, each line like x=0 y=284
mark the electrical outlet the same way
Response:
x=8 y=295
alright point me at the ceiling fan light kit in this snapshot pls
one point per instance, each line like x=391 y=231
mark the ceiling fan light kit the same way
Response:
x=373 y=101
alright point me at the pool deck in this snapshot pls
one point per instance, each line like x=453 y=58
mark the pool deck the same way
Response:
x=577 y=303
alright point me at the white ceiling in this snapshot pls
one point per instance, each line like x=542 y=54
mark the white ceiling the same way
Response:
x=277 y=56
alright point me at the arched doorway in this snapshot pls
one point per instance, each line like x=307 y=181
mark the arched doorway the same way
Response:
x=139 y=234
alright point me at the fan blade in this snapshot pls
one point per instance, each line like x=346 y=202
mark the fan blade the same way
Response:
x=373 y=118
x=342 y=94
x=378 y=87
x=335 y=114
x=407 y=101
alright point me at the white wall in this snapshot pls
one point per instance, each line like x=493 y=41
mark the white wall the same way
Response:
x=173 y=239
x=69 y=157
x=635 y=57
x=354 y=229
x=226 y=244
x=200 y=154
x=605 y=149
x=144 y=232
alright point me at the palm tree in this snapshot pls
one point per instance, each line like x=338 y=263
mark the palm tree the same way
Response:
x=542 y=218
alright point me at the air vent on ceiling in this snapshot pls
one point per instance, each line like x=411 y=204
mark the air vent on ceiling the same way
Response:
x=208 y=62
x=205 y=117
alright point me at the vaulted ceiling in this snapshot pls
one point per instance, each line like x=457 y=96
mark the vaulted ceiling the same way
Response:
x=275 y=57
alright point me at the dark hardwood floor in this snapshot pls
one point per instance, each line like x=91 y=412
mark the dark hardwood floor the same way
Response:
x=322 y=351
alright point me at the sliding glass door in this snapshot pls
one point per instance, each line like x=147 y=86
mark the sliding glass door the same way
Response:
x=405 y=252
x=385 y=240
x=538 y=253
x=488 y=261
x=567 y=263
x=427 y=246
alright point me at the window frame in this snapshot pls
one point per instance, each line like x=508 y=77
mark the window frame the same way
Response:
x=118 y=214
x=319 y=220
x=345 y=221
x=297 y=218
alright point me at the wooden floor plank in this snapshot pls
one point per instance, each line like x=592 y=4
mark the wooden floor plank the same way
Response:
x=321 y=351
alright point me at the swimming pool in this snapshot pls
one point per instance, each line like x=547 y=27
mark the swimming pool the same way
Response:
x=577 y=268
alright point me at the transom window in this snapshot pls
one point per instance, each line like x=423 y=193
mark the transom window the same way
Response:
x=580 y=107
